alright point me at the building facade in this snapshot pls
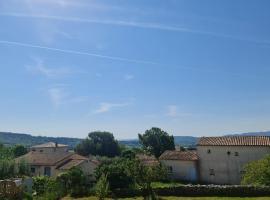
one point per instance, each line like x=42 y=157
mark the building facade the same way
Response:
x=181 y=165
x=50 y=159
x=222 y=159
x=217 y=160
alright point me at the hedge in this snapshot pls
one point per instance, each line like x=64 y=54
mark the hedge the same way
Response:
x=201 y=190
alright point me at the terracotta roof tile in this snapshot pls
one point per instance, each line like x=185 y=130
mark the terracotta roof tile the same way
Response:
x=235 y=141
x=179 y=155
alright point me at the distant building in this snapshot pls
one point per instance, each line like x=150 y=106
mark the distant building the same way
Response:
x=222 y=159
x=182 y=165
x=147 y=160
x=50 y=159
x=218 y=160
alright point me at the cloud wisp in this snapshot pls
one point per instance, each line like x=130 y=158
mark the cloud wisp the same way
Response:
x=76 y=52
x=145 y=25
x=106 y=107
x=128 y=77
x=173 y=112
x=42 y=69
x=60 y=96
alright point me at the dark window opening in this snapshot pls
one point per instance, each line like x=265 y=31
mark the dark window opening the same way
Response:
x=41 y=151
x=208 y=151
x=212 y=172
x=228 y=153
x=33 y=170
x=47 y=171
x=236 y=153
x=170 y=169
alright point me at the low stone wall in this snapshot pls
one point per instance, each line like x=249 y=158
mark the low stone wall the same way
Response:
x=11 y=189
x=201 y=190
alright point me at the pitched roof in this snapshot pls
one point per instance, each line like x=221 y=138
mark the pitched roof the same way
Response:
x=49 y=145
x=70 y=164
x=147 y=160
x=235 y=141
x=37 y=158
x=179 y=155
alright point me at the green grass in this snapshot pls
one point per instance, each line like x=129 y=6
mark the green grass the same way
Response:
x=183 y=198
x=164 y=185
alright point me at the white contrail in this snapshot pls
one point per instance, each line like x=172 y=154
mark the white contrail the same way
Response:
x=76 y=52
x=132 y=24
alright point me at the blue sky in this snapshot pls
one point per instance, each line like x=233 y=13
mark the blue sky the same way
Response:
x=190 y=67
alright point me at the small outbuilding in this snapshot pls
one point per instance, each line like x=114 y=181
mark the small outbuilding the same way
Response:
x=182 y=165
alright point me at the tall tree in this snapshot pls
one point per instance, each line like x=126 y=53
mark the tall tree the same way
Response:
x=156 y=141
x=99 y=143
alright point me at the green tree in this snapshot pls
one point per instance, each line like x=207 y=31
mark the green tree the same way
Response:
x=156 y=141
x=117 y=171
x=102 y=187
x=257 y=172
x=19 y=150
x=99 y=143
x=145 y=175
x=74 y=182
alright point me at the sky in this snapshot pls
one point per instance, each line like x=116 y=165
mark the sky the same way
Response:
x=190 y=67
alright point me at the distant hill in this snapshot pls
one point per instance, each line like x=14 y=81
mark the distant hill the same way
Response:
x=185 y=141
x=11 y=139
x=263 y=133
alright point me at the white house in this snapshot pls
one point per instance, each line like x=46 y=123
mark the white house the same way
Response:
x=182 y=165
x=222 y=159
x=218 y=160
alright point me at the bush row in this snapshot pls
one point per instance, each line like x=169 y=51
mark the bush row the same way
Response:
x=201 y=190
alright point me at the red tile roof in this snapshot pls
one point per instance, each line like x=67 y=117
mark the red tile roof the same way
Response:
x=235 y=141
x=179 y=155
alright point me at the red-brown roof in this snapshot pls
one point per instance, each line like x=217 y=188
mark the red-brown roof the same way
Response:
x=147 y=160
x=179 y=155
x=235 y=141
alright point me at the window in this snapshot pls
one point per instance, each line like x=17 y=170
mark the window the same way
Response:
x=236 y=153
x=47 y=171
x=33 y=149
x=228 y=153
x=170 y=169
x=41 y=150
x=208 y=151
x=33 y=170
x=212 y=172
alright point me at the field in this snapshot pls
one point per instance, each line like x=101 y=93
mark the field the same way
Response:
x=184 y=198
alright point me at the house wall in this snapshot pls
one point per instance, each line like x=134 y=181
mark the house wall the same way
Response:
x=39 y=170
x=182 y=170
x=219 y=167
x=87 y=167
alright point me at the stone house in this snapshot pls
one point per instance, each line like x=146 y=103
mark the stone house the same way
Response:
x=182 y=165
x=217 y=160
x=222 y=159
x=50 y=159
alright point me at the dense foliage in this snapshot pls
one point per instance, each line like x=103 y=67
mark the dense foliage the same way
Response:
x=257 y=172
x=117 y=171
x=156 y=141
x=99 y=143
x=8 y=167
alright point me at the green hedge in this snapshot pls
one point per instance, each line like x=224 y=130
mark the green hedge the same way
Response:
x=200 y=190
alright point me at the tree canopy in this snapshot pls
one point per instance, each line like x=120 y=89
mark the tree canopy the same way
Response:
x=257 y=172
x=99 y=143
x=156 y=141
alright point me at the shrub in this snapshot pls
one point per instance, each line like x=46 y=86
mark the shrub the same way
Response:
x=102 y=187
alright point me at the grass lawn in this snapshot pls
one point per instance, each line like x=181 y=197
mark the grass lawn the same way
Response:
x=184 y=198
